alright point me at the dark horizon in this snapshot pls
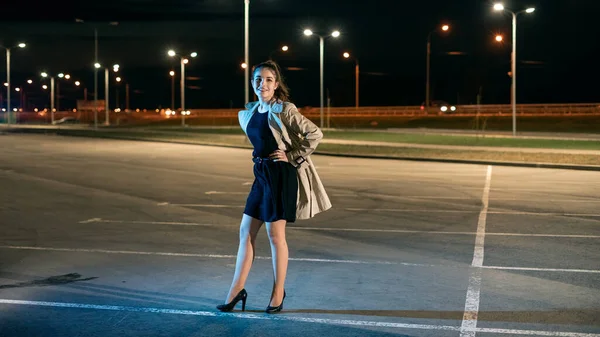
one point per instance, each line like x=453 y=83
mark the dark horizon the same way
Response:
x=556 y=63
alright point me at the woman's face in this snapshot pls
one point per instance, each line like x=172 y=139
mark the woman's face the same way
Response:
x=264 y=83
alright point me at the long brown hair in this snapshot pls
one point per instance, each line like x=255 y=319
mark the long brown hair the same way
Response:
x=282 y=92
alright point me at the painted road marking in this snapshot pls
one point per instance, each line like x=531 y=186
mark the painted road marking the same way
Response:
x=469 y=322
x=368 y=230
x=220 y=256
x=291 y=318
x=417 y=210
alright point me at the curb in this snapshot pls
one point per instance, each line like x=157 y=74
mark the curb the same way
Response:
x=465 y=161
x=331 y=154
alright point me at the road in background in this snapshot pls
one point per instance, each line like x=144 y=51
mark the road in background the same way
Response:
x=109 y=237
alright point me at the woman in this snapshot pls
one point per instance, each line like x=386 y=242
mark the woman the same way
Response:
x=286 y=185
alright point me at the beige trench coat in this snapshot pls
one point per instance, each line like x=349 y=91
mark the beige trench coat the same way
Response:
x=298 y=137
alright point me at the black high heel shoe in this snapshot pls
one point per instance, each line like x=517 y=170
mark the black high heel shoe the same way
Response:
x=273 y=310
x=242 y=295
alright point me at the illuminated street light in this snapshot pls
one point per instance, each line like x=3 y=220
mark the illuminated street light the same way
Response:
x=8 y=93
x=444 y=28
x=333 y=34
x=96 y=66
x=244 y=65
x=513 y=60
x=499 y=38
x=183 y=62
x=356 y=75
x=45 y=87
x=29 y=81
x=106 y=92
x=283 y=49
x=77 y=83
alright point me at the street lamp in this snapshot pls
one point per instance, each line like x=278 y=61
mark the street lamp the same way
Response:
x=106 y=92
x=172 y=74
x=356 y=74
x=45 y=75
x=246 y=51
x=8 y=111
x=183 y=62
x=96 y=67
x=283 y=48
x=444 y=28
x=513 y=60
x=60 y=76
x=334 y=34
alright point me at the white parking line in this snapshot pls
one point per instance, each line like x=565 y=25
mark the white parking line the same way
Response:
x=171 y=223
x=415 y=210
x=589 y=271
x=594 y=215
x=469 y=322
x=290 y=318
x=334 y=229
x=217 y=256
x=220 y=256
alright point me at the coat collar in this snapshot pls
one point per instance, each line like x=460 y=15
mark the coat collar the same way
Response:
x=275 y=106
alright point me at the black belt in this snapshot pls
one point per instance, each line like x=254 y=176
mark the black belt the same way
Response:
x=261 y=159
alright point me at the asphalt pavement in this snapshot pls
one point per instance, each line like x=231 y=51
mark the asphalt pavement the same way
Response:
x=111 y=237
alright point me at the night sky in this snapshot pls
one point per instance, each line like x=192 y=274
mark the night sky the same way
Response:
x=558 y=49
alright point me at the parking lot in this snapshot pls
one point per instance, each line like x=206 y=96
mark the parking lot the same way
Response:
x=110 y=237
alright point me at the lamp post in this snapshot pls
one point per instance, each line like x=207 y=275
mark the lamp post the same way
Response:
x=60 y=76
x=183 y=61
x=106 y=95
x=356 y=74
x=334 y=34
x=96 y=67
x=118 y=79
x=8 y=110
x=246 y=51
x=172 y=74
x=44 y=74
x=444 y=28
x=513 y=60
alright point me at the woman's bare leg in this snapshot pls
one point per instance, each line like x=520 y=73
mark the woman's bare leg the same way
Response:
x=248 y=231
x=280 y=255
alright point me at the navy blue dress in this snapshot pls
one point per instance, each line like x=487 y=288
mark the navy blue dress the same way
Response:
x=273 y=195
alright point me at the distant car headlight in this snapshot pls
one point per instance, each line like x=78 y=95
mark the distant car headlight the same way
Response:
x=444 y=108
x=453 y=108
